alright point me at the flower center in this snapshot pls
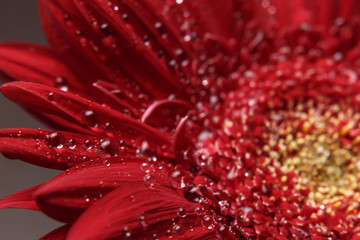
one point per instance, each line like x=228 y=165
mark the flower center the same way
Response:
x=321 y=145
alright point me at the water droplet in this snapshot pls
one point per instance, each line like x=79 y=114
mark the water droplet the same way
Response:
x=61 y=83
x=222 y=232
x=182 y=212
x=150 y=181
x=51 y=96
x=187 y=38
x=158 y=25
x=146 y=167
x=109 y=147
x=88 y=144
x=91 y=118
x=107 y=163
x=126 y=233
x=178 y=179
x=104 y=28
x=55 y=139
x=142 y=221
x=71 y=143
x=191 y=194
x=124 y=16
x=178 y=230
x=207 y=221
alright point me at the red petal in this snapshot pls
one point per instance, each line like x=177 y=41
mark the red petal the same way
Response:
x=67 y=195
x=57 y=234
x=83 y=43
x=109 y=90
x=100 y=119
x=23 y=199
x=181 y=140
x=322 y=14
x=169 y=111
x=137 y=210
x=39 y=64
x=55 y=149
x=137 y=60
x=62 y=34
x=58 y=123
x=213 y=16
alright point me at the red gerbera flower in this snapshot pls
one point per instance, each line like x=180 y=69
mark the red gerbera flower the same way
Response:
x=193 y=119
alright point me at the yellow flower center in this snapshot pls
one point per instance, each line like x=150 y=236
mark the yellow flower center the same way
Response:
x=321 y=145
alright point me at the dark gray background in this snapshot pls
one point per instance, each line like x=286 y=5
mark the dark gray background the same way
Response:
x=19 y=21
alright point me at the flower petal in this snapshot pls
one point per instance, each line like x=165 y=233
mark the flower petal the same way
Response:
x=34 y=63
x=23 y=199
x=139 y=59
x=99 y=119
x=137 y=211
x=122 y=103
x=211 y=20
x=61 y=34
x=169 y=111
x=319 y=14
x=67 y=195
x=59 y=123
x=56 y=149
x=57 y=234
x=108 y=59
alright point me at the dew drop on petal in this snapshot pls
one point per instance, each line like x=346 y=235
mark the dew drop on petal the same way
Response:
x=177 y=179
x=90 y=118
x=51 y=96
x=146 y=167
x=142 y=221
x=71 y=143
x=88 y=144
x=109 y=147
x=55 y=139
x=182 y=212
x=107 y=163
x=62 y=83
x=149 y=180
x=178 y=230
x=207 y=221
x=222 y=232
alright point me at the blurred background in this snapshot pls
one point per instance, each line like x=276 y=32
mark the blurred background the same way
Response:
x=19 y=21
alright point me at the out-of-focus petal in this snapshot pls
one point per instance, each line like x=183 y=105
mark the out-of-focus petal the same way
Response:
x=94 y=40
x=320 y=15
x=34 y=63
x=140 y=212
x=23 y=199
x=211 y=19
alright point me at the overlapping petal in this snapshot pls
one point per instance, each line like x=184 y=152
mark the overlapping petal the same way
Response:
x=135 y=211
x=23 y=199
x=67 y=195
x=39 y=64
x=105 y=45
x=166 y=98
x=100 y=119
x=56 y=149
